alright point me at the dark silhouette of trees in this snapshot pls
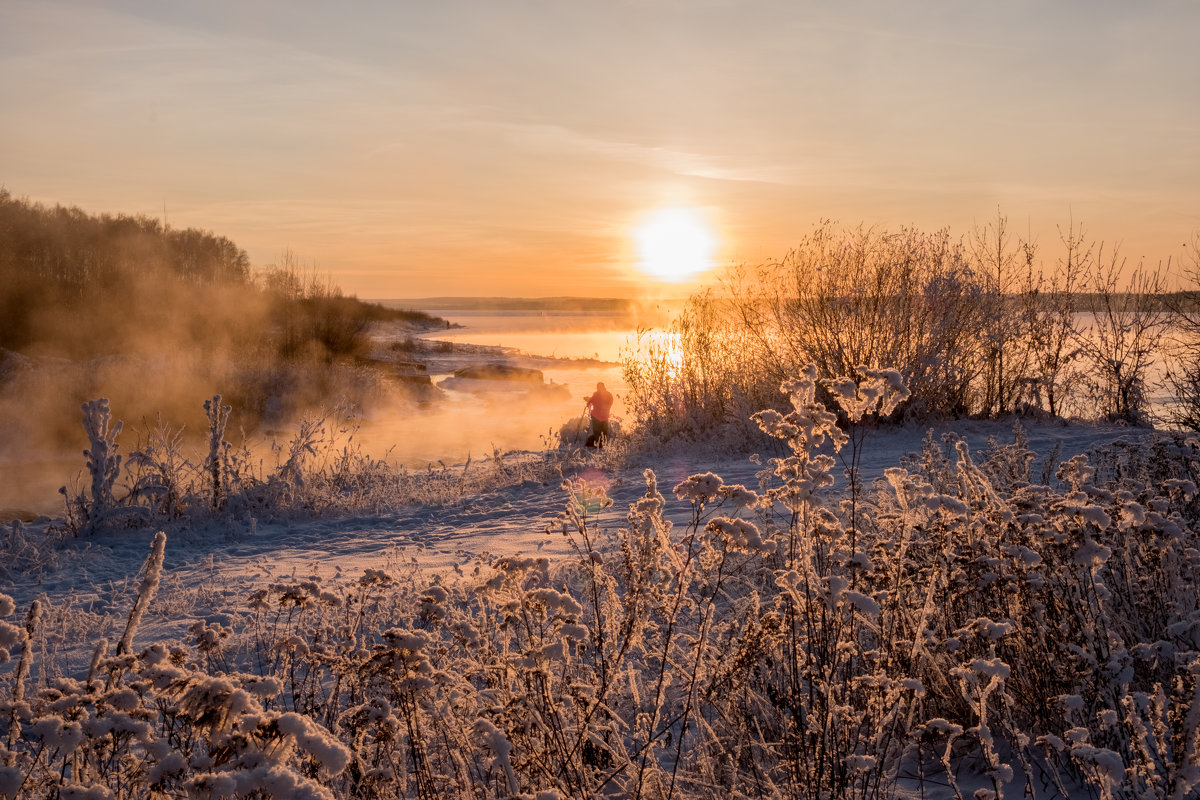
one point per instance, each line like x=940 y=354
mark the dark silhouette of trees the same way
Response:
x=78 y=253
x=62 y=268
x=79 y=285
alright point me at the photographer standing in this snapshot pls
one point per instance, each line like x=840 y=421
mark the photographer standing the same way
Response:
x=599 y=405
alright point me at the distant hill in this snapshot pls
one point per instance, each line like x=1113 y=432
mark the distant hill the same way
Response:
x=1084 y=303
x=583 y=305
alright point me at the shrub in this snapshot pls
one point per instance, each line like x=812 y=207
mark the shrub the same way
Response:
x=318 y=470
x=1183 y=366
x=1123 y=341
x=697 y=378
x=956 y=622
x=841 y=300
x=981 y=330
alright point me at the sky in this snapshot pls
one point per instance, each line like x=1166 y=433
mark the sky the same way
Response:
x=514 y=148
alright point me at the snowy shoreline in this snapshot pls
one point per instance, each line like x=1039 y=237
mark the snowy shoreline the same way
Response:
x=509 y=521
x=506 y=521
x=501 y=576
x=324 y=571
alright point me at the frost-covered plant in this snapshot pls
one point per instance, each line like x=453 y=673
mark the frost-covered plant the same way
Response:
x=151 y=574
x=160 y=475
x=1124 y=339
x=871 y=392
x=103 y=466
x=215 y=463
x=26 y=551
x=104 y=463
x=24 y=637
x=836 y=711
x=964 y=623
x=157 y=726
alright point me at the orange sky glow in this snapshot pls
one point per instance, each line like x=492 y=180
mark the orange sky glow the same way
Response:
x=412 y=149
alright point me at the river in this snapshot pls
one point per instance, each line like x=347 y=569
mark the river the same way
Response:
x=574 y=349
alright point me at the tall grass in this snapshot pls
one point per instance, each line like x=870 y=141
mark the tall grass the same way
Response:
x=955 y=623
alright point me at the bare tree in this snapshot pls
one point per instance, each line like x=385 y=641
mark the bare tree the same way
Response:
x=1051 y=331
x=1183 y=349
x=1124 y=337
x=997 y=258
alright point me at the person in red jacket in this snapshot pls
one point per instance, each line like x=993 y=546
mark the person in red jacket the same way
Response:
x=599 y=405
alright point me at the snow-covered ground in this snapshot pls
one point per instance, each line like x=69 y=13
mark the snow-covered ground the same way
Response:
x=235 y=556
x=243 y=553
x=88 y=585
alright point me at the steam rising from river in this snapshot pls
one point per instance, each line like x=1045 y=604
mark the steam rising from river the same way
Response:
x=42 y=440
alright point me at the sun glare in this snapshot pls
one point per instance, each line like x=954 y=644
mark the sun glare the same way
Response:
x=674 y=244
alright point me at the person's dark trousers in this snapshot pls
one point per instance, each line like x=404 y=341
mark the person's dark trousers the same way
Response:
x=599 y=433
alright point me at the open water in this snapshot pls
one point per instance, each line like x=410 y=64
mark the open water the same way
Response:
x=588 y=348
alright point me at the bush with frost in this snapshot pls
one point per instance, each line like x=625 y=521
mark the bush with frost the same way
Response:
x=996 y=623
x=319 y=470
x=91 y=510
x=907 y=300
x=1123 y=342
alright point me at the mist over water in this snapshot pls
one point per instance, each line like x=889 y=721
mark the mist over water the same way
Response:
x=587 y=347
x=573 y=349
x=448 y=428
x=563 y=335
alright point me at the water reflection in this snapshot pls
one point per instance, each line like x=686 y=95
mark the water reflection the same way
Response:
x=586 y=348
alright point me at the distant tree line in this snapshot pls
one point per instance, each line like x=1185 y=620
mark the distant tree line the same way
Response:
x=79 y=253
x=578 y=305
x=58 y=262
x=77 y=284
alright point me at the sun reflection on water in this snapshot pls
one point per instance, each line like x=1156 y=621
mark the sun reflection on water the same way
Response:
x=657 y=351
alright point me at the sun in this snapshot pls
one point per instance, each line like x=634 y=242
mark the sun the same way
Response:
x=674 y=244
